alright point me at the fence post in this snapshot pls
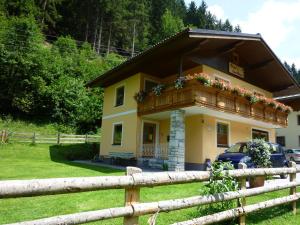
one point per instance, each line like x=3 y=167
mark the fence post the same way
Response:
x=58 y=138
x=33 y=138
x=2 y=136
x=242 y=201
x=293 y=189
x=132 y=195
x=86 y=138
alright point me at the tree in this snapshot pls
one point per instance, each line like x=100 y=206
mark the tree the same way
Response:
x=192 y=16
x=170 y=24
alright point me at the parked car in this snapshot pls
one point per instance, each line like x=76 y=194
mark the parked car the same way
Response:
x=237 y=153
x=293 y=155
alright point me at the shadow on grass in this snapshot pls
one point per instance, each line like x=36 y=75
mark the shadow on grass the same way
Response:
x=69 y=152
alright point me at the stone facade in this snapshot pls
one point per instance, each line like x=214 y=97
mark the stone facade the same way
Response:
x=177 y=141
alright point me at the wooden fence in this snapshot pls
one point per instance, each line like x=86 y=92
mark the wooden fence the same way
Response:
x=35 y=138
x=134 y=180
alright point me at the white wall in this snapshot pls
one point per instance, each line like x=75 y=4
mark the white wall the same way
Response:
x=292 y=132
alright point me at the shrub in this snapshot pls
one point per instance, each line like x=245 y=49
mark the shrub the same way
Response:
x=219 y=182
x=260 y=153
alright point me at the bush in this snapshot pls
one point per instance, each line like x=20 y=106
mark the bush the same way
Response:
x=219 y=183
x=74 y=152
x=259 y=151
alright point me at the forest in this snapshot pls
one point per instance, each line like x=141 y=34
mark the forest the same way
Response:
x=49 y=50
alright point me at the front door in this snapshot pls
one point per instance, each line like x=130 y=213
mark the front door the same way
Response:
x=149 y=139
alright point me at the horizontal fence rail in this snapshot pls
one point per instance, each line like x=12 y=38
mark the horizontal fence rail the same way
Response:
x=134 y=180
x=35 y=138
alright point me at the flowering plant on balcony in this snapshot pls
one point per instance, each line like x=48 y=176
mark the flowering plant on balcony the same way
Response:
x=179 y=82
x=158 y=89
x=140 y=96
x=203 y=79
x=221 y=85
x=252 y=98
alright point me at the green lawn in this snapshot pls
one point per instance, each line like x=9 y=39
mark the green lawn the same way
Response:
x=19 y=161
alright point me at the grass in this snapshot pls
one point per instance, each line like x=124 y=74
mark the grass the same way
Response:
x=22 y=161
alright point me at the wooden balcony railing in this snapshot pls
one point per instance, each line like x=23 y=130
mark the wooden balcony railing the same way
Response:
x=194 y=94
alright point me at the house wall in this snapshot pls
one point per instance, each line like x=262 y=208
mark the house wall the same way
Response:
x=201 y=137
x=292 y=132
x=126 y=114
x=200 y=129
x=235 y=81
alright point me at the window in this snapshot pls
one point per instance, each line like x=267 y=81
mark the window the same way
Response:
x=260 y=134
x=222 y=80
x=117 y=134
x=298 y=119
x=149 y=85
x=222 y=135
x=280 y=140
x=299 y=140
x=119 y=96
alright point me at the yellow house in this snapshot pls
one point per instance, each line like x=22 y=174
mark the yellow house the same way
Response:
x=186 y=99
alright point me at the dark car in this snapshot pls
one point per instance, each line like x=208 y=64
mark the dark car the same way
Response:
x=238 y=154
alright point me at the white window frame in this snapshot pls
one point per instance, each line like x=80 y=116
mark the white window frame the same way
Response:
x=258 y=128
x=115 y=97
x=229 y=132
x=221 y=77
x=113 y=133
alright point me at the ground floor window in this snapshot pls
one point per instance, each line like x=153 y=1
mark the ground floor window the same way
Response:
x=117 y=133
x=222 y=135
x=280 y=140
x=260 y=134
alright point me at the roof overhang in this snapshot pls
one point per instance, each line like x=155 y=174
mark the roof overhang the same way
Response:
x=262 y=66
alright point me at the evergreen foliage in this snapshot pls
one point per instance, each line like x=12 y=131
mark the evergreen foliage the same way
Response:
x=49 y=49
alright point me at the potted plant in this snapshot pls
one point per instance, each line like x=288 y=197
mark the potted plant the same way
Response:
x=179 y=82
x=158 y=89
x=260 y=153
x=203 y=79
x=140 y=96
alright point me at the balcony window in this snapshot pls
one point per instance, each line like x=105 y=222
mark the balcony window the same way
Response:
x=149 y=85
x=280 y=140
x=117 y=134
x=119 y=96
x=222 y=135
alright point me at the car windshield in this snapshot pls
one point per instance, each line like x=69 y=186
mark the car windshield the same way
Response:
x=237 y=148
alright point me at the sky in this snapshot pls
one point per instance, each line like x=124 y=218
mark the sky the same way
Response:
x=278 y=21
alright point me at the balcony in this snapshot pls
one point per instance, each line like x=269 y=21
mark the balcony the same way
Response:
x=195 y=94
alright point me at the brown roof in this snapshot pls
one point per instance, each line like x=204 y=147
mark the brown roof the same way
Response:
x=262 y=66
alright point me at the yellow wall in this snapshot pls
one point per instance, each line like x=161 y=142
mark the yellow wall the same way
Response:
x=127 y=114
x=201 y=136
x=132 y=85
